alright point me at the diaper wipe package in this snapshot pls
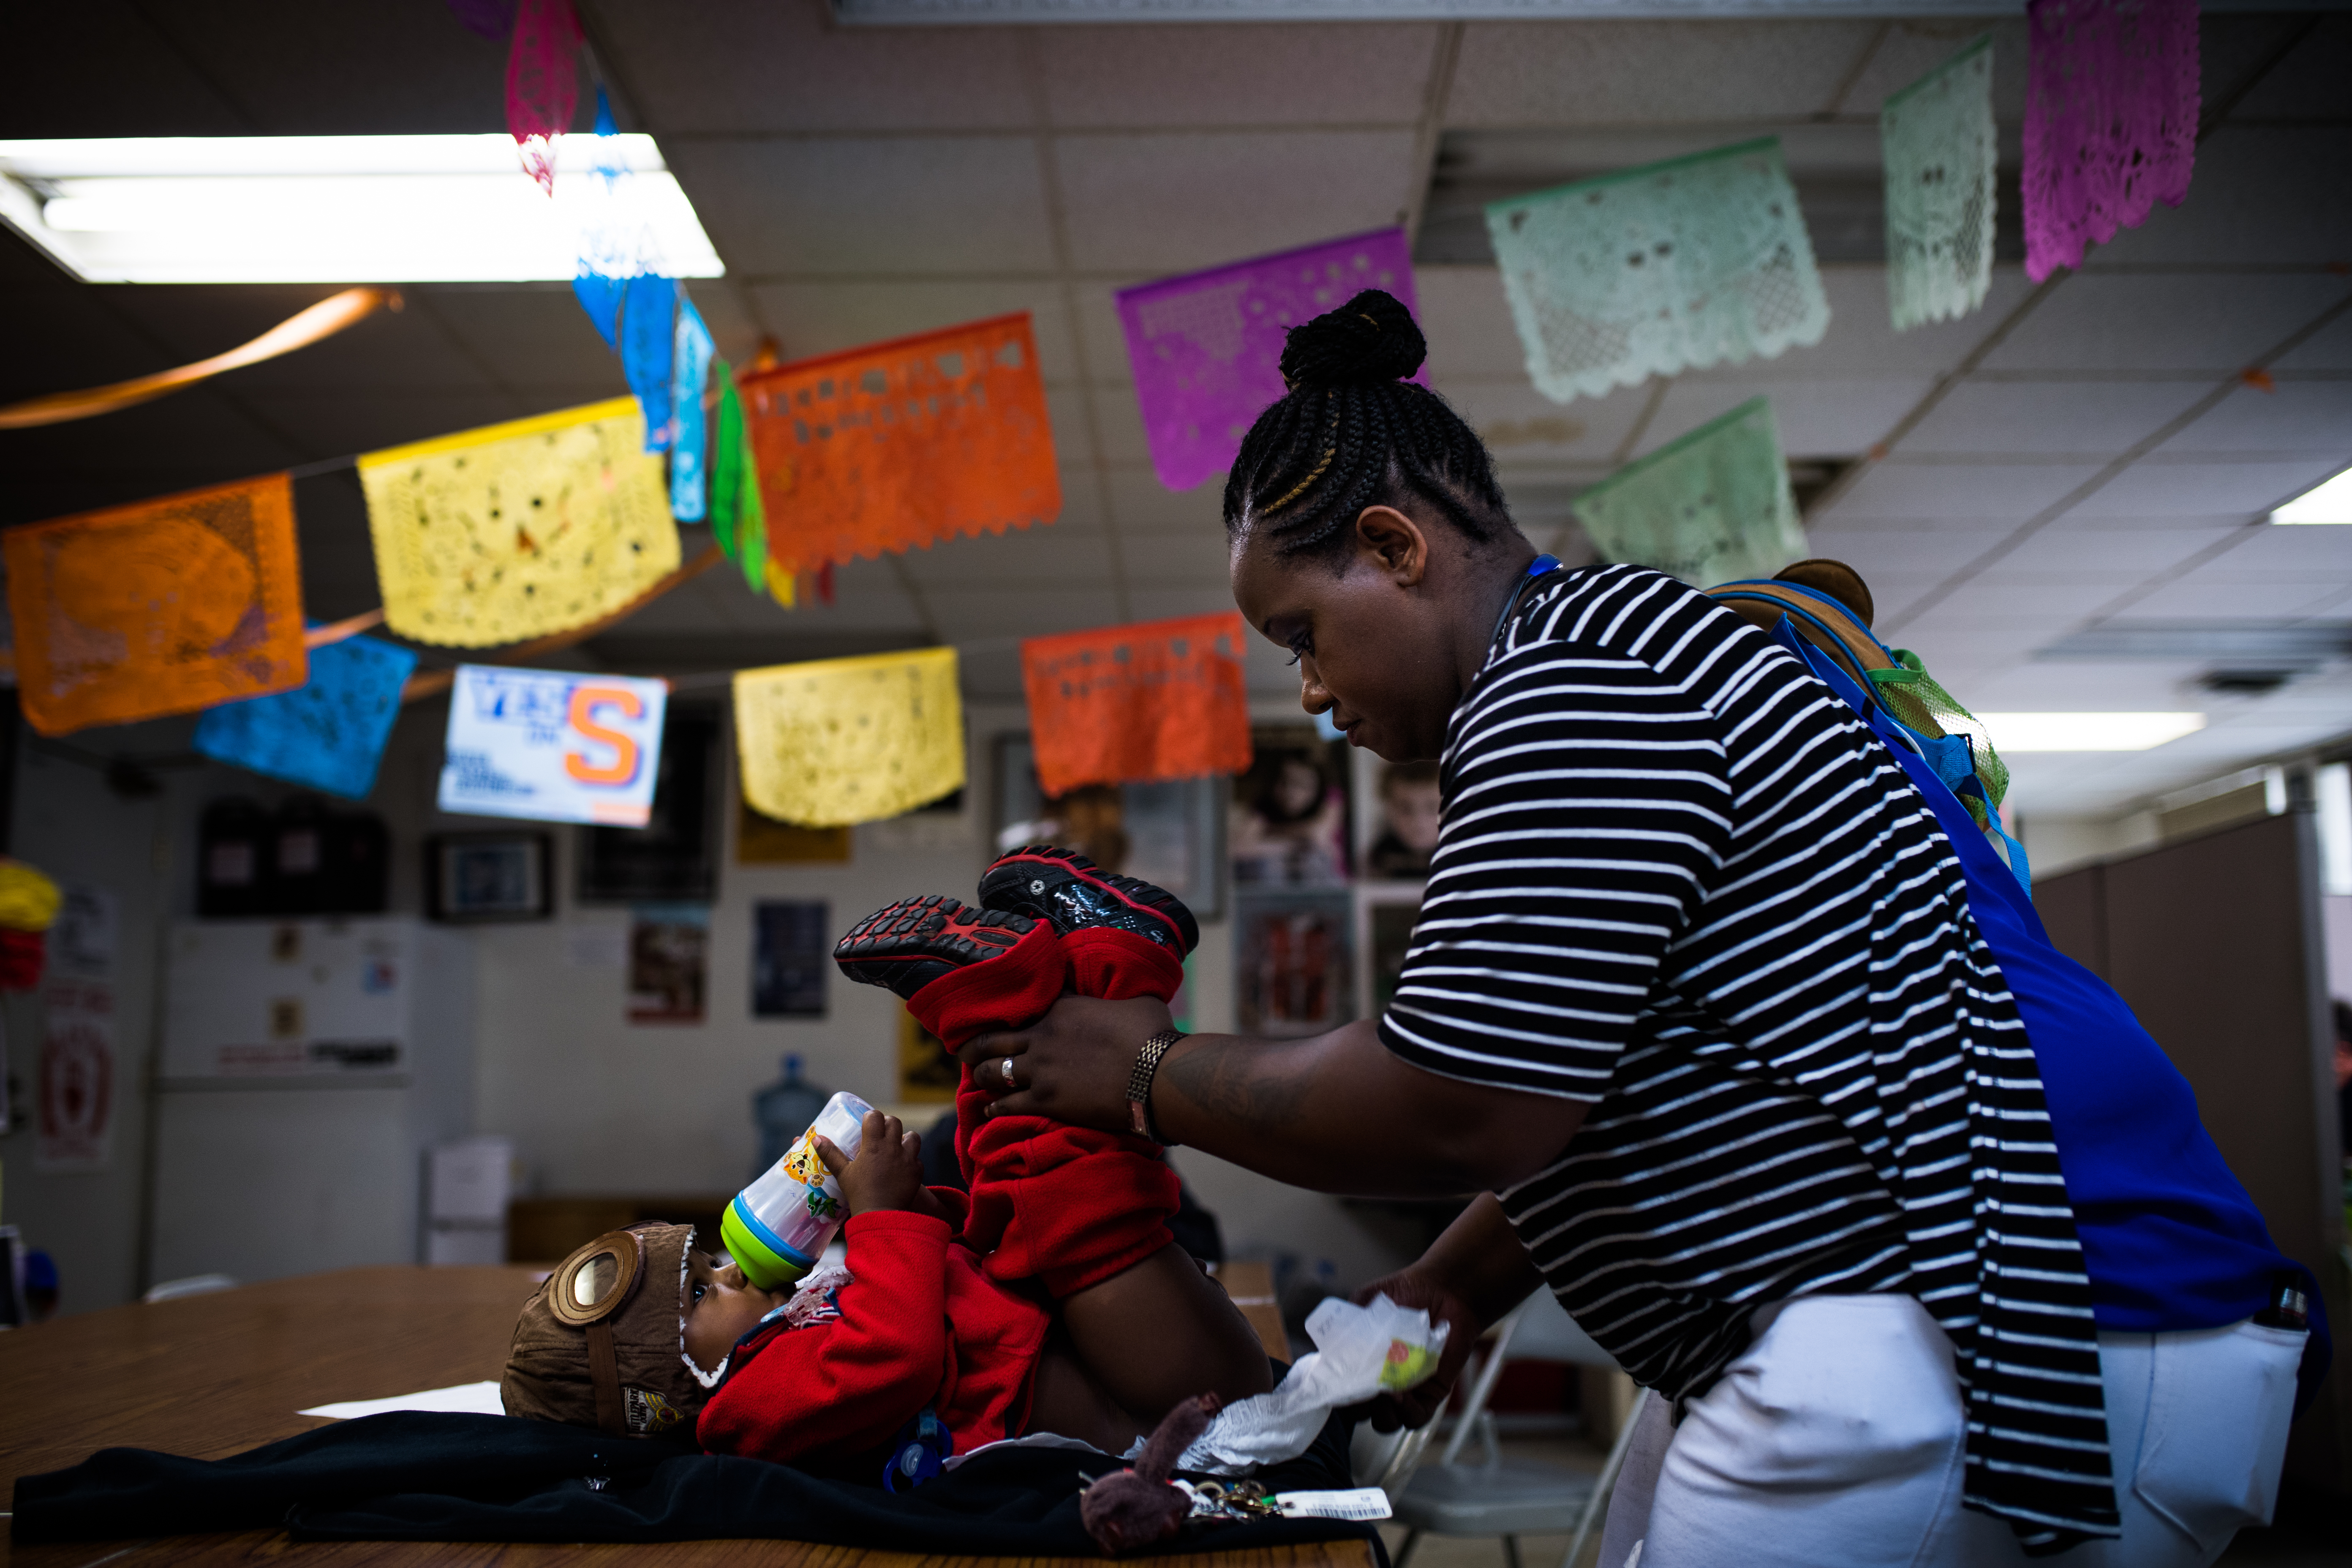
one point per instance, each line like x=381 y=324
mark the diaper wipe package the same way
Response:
x=1358 y=1352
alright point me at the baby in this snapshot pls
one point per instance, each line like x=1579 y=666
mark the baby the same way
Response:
x=1052 y=1299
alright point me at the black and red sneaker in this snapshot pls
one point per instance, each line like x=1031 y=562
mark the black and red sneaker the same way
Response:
x=908 y=944
x=1071 y=892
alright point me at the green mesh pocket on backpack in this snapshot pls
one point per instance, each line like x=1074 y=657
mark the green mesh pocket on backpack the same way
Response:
x=1912 y=695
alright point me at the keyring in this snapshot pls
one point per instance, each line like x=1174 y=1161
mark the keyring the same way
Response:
x=1007 y=1070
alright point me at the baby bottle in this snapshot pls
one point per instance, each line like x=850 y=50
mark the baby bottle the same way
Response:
x=776 y=1228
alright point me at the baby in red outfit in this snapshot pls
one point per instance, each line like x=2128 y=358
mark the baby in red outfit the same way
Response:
x=1067 y=1206
x=1052 y=1299
x=1063 y=1302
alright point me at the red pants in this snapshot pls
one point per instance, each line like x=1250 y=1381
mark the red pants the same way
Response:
x=1069 y=1206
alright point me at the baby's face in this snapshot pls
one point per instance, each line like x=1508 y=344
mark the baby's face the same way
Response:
x=719 y=1306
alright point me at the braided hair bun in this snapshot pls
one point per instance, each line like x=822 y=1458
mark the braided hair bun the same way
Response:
x=1370 y=339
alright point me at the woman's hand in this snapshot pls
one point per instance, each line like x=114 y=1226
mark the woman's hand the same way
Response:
x=1413 y=1285
x=1072 y=1064
x=887 y=1172
x=1469 y=1279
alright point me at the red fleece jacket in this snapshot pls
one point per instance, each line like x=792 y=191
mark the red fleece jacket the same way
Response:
x=920 y=1326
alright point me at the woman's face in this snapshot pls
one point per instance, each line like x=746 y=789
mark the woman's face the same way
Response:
x=1374 y=651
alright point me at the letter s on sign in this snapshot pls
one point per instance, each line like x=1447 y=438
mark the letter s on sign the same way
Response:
x=585 y=700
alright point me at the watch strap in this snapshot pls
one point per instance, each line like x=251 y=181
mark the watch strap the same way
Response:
x=1139 y=1083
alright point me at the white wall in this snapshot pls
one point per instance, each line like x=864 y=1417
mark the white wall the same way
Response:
x=67 y=823
x=2056 y=844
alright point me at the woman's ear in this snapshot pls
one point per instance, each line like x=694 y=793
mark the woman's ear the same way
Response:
x=1395 y=541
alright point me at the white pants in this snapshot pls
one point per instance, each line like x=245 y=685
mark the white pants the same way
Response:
x=1835 y=1442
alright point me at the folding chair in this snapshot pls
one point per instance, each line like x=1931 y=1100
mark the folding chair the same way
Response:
x=1500 y=1497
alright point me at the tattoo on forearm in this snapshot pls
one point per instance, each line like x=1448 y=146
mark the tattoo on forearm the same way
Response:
x=1259 y=1091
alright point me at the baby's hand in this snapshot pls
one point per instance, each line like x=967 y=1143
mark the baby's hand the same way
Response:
x=887 y=1172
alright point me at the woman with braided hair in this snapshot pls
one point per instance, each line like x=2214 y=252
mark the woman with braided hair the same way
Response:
x=1697 y=1001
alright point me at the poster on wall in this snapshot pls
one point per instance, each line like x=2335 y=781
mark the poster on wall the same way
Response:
x=552 y=746
x=669 y=947
x=1293 y=962
x=79 y=1081
x=76 y=1109
x=1169 y=832
x=1289 y=824
x=789 y=956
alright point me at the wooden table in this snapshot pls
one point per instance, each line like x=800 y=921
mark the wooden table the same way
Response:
x=213 y=1375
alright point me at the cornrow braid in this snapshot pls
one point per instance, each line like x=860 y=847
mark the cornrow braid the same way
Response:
x=1350 y=433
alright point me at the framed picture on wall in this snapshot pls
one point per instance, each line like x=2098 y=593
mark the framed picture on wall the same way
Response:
x=674 y=857
x=1294 y=960
x=1291 y=811
x=1169 y=833
x=479 y=877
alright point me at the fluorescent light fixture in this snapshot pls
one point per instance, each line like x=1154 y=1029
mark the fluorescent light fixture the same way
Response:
x=336 y=209
x=2087 y=732
x=2328 y=501
x=935 y=13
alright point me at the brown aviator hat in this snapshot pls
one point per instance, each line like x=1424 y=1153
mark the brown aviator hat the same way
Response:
x=600 y=1342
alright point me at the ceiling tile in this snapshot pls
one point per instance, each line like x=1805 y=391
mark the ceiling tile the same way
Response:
x=2017 y=598
x=2306 y=85
x=531 y=337
x=64 y=338
x=147 y=86
x=1263 y=664
x=2213 y=322
x=2313 y=416
x=206 y=429
x=2329 y=347
x=2126 y=555
x=2316 y=549
x=1167 y=203
x=1141 y=503
x=1252 y=74
x=382 y=68
x=971 y=613
x=782 y=65
x=811 y=319
x=1523 y=428
x=1464 y=314
x=1862 y=339
x=1192 y=558
x=1818 y=418
x=1049 y=554
x=2268 y=195
x=1899 y=491
x=2149 y=490
x=1911 y=49
x=1650 y=73
x=1118 y=423
x=1925 y=554
x=869 y=207
x=2199 y=598
x=1997 y=419
x=1102 y=341
x=332 y=424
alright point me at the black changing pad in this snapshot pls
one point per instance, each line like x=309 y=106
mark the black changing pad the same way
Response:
x=412 y=1476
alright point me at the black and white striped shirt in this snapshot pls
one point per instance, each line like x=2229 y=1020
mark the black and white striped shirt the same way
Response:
x=1678 y=879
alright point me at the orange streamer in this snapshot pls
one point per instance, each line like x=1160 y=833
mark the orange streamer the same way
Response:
x=1162 y=699
x=299 y=331
x=164 y=607
x=902 y=444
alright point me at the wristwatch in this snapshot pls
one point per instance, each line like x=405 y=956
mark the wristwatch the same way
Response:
x=1139 y=1083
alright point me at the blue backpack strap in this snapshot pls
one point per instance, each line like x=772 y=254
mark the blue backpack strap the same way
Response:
x=1847 y=639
